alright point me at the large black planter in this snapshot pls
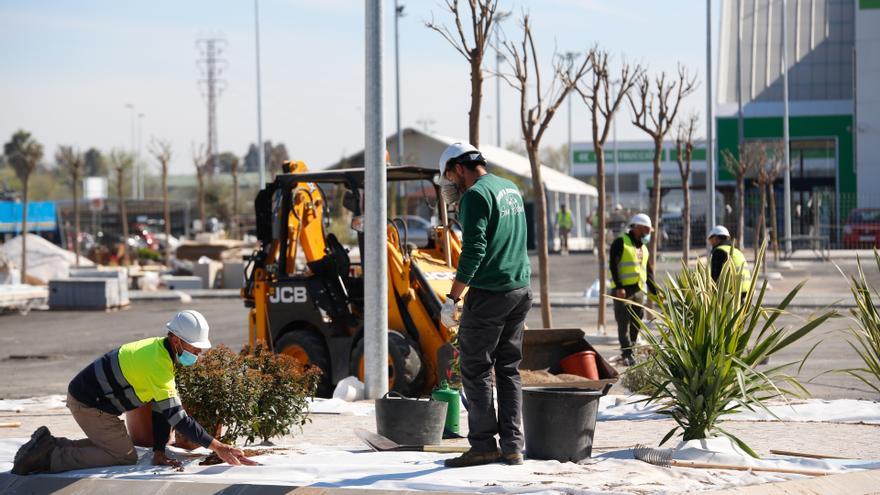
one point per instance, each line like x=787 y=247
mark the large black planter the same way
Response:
x=559 y=422
x=410 y=421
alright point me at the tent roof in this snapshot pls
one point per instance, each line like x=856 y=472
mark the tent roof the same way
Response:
x=517 y=164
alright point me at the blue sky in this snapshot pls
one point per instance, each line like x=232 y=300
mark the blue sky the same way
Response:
x=67 y=69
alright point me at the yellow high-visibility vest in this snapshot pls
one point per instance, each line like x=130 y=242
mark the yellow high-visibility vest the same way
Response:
x=563 y=219
x=148 y=368
x=740 y=264
x=633 y=266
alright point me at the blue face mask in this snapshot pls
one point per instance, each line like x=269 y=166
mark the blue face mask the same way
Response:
x=187 y=358
x=646 y=238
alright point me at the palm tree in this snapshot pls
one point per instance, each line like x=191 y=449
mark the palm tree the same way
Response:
x=23 y=153
x=72 y=162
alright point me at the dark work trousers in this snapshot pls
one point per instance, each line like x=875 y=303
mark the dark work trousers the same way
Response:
x=628 y=317
x=491 y=335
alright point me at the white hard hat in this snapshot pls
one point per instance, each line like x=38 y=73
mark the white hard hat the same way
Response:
x=641 y=219
x=457 y=150
x=719 y=230
x=192 y=327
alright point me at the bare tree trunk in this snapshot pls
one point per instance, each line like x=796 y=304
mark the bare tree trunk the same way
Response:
x=24 y=228
x=235 y=233
x=774 y=234
x=655 y=201
x=76 y=218
x=166 y=211
x=123 y=216
x=600 y=185
x=740 y=211
x=476 y=98
x=759 y=231
x=541 y=220
x=686 y=219
x=200 y=176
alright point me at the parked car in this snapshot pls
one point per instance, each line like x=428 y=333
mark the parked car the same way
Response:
x=862 y=229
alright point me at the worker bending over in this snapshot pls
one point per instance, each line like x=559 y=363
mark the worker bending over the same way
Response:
x=124 y=379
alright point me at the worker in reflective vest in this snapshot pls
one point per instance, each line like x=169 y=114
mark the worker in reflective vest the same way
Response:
x=722 y=251
x=563 y=226
x=124 y=379
x=631 y=277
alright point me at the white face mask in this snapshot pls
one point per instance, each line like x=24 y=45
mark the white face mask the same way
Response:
x=449 y=190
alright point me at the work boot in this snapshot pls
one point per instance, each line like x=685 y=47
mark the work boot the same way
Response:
x=628 y=360
x=33 y=456
x=512 y=459
x=472 y=458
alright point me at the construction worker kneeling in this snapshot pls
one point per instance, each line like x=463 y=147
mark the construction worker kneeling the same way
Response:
x=124 y=379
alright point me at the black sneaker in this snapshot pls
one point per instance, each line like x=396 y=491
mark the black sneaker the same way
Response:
x=33 y=456
x=472 y=458
x=629 y=361
x=512 y=459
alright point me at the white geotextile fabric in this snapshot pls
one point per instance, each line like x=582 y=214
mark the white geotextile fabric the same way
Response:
x=611 y=407
x=619 y=407
x=322 y=467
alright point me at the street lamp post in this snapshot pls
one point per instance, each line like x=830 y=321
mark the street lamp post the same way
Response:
x=570 y=56
x=398 y=13
x=261 y=165
x=138 y=165
x=710 y=150
x=499 y=16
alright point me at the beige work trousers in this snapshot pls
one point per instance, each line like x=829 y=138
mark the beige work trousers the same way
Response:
x=108 y=443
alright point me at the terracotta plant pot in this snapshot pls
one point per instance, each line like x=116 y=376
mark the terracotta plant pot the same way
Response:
x=182 y=442
x=140 y=425
x=582 y=364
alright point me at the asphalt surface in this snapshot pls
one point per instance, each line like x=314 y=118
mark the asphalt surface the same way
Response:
x=41 y=351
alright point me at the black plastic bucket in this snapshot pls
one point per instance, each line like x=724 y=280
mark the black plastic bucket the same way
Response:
x=410 y=421
x=559 y=422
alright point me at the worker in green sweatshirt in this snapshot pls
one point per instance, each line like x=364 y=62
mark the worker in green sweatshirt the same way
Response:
x=494 y=267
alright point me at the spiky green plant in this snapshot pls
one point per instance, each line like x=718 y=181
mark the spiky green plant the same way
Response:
x=866 y=335
x=707 y=345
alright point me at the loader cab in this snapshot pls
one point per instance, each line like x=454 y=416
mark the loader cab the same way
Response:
x=305 y=285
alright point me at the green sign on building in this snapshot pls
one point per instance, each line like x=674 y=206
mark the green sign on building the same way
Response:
x=638 y=155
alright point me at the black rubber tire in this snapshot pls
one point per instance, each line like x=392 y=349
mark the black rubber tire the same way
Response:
x=406 y=370
x=313 y=345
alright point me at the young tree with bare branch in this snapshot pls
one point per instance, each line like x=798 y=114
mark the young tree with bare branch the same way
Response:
x=534 y=119
x=121 y=163
x=161 y=151
x=776 y=167
x=766 y=174
x=73 y=163
x=655 y=107
x=233 y=169
x=482 y=17
x=684 y=148
x=200 y=161
x=603 y=98
x=752 y=155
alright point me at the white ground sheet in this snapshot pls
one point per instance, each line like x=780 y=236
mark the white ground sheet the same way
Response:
x=613 y=473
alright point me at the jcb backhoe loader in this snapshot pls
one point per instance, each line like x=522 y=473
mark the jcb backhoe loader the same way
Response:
x=306 y=295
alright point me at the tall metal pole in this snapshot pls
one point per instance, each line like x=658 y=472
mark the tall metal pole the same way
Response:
x=785 y=135
x=570 y=56
x=374 y=256
x=710 y=120
x=260 y=152
x=739 y=98
x=498 y=90
x=398 y=11
x=616 y=163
